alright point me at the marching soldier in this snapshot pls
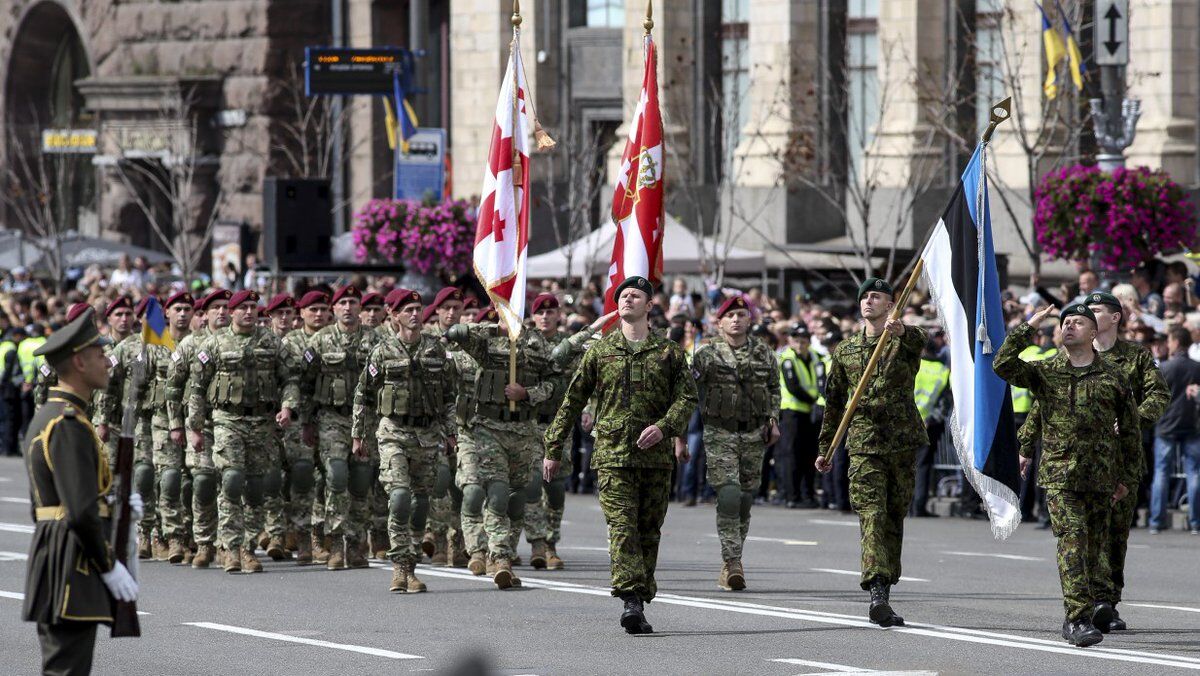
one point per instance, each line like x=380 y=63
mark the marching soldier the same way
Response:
x=407 y=390
x=300 y=466
x=738 y=383
x=332 y=364
x=498 y=446
x=280 y=311
x=374 y=310
x=645 y=396
x=72 y=577
x=1086 y=467
x=882 y=439
x=120 y=318
x=247 y=379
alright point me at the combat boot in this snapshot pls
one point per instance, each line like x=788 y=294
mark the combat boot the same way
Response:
x=337 y=554
x=162 y=551
x=320 y=547
x=291 y=541
x=175 y=551
x=537 y=558
x=380 y=544
x=1102 y=616
x=503 y=575
x=456 y=551
x=429 y=544
x=205 y=553
x=263 y=540
x=490 y=569
x=276 y=550
x=441 y=555
x=881 y=612
x=477 y=565
x=233 y=560
x=415 y=585
x=250 y=562
x=736 y=577
x=304 y=552
x=516 y=559
x=553 y=562
x=145 y=551
x=356 y=555
x=399 y=578
x=1081 y=633
x=1117 y=624
x=633 y=619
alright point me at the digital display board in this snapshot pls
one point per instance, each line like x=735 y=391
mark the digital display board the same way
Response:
x=335 y=70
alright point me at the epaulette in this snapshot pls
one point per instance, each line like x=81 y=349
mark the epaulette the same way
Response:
x=69 y=411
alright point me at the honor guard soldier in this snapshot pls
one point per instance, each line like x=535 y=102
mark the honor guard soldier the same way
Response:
x=73 y=577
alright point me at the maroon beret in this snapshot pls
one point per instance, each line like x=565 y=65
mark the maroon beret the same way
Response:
x=402 y=297
x=280 y=300
x=179 y=297
x=737 y=302
x=313 y=298
x=120 y=302
x=346 y=292
x=140 y=309
x=487 y=314
x=213 y=296
x=448 y=293
x=76 y=310
x=372 y=298
x=243 y=296
x=543 y=301
x=470 y=301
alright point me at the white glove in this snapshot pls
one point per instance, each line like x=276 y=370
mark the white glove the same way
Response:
x=136 y=507
x=120 y=583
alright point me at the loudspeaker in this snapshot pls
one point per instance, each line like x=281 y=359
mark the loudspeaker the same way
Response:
x=297 y=223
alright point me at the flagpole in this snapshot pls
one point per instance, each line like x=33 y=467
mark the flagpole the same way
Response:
x=517 y=176
x=1000 y=113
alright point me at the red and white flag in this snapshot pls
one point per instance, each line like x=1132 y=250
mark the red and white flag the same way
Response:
x=502 y=228
x=638 y=201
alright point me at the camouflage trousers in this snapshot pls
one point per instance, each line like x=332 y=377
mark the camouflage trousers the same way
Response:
x=169 y=457
x=244 y=450
x=201 y=468
x=634 y=503
x=544 y=504
x=881 y=489
x=143 y=454
x=408 y=461
x=1080 y=521
x=1121 y=518
x=445 y=510
x=734 y=471
x=346 y=506
x=495 y=457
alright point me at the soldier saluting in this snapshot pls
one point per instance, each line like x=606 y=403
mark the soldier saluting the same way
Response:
x=645 y=396
x=73 y=577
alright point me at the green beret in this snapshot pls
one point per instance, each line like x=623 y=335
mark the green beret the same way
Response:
x=72 y=338
x=875 y=284
x=640 y=283
x=1076 y=309
x=1102 y=298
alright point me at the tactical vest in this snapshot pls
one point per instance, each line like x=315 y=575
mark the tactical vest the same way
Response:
x=244 y=377
x=547 y=409
x=932 y=378
x=156 y=392
x=414 y=386
x=493 y=377
x=468 y=370
x=737 y=392
x=339 y=372
x=1021 y=398
x=805 y=373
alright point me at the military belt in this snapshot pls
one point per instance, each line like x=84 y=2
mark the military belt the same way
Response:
x=735 y=425
x=346 y=410
x=413 y=421
x=502 y=413
x=59 y=512
x=245 y=410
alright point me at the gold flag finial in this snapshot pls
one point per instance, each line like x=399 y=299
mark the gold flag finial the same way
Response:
x=649 y=22
x=516 y=15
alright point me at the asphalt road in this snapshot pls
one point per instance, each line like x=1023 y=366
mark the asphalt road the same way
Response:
x=973 y=605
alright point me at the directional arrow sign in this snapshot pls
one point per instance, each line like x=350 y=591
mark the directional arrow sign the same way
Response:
x=1112 y=32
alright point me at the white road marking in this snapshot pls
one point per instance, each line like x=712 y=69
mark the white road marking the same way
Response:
x=16 y=527
x=856 y=573
x=4 y=479
x=1010 y=557
x=1155 y=605
x=586 y=549
x=377 y=652
x=831 y=522
x=12 y=595
x=13 y=556
x=782 y=541
x=16 y=501
x=829 y=666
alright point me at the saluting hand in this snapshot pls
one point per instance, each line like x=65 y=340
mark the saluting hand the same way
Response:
x=1038 y=317
x=603 y=321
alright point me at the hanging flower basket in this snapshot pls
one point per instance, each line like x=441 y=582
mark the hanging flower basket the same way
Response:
x=429 y=238
x=1120 y=220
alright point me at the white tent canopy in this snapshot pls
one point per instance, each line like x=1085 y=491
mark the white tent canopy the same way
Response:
x=683 y=253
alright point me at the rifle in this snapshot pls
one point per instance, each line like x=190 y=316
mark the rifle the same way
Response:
x=125 y=619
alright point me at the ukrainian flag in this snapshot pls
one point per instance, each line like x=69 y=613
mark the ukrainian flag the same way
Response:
x=154 y=326
x=1078 y=68
x=406 y=126
x=1056 y=51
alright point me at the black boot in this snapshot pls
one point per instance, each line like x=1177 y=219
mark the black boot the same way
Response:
x=1102 y=616
x=1116 y=623
x=634 y=618
x=1081 y=633
x=881 y=612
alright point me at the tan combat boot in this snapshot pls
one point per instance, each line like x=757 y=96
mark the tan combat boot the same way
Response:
x=233 y=560
x=735 y=579
x=263 y=540
x=553 y=562
x=250 y=562
x=320 y=546
x=304 y=552
x=291 y=541
x=380 y=544
x=477 y=565
x=276 y=550
x=503 y=575
x=441 y=555
x=356 y=555
x=337 y=554
x=205 y=553
x=490 y=566
x=415 y=585
x=429 y=544
x=456 y=551
x=145 y=549
x=537 y=558
x=399 y=578
x=175 y=552
x=188 y=555
x=162 y=551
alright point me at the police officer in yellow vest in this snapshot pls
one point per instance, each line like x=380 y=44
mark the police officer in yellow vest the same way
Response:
x=29 y=363
x=835 y=485
x=799 y=369
x=11 y=379
x=932 y=392
x=1031 y=494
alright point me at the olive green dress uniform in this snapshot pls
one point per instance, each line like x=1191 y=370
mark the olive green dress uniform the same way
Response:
x=636 y=384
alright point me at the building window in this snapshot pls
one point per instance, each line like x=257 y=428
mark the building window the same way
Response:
x=862 y=77
x=989 y=78
x=735 y=70
x=606 y=13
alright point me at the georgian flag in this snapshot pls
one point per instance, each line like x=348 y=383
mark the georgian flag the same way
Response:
x=960 y=270
x=638 y=200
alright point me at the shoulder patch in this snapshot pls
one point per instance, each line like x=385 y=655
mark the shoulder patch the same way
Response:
x=44 y=369
x=175 y=356
x=202 y=356
x=112 y=359
x=372 y=370
x=309 y=356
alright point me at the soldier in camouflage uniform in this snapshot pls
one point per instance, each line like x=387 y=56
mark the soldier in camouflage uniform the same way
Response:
x=281 y=313
x=496 y=448
x=374 y=316
x=882 y=439
x=738 y=383
x=120 y=318
x=305 y=497
x=248 y=379
x=407 y=386
x=374 y=310
x=645 y=396
x=212 y=312
x=1090 y=445
x=332 y=364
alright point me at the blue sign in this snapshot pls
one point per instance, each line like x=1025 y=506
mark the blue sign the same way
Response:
x=421 y=171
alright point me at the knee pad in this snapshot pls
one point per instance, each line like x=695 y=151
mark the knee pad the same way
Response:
x=337 y=476
x=473 y=499
x=729 y=500
x=556 y=493
x=533 y=489
x=204 y=487
x=456 y=498
x=516 y=505
x=420 y=512
x=254 y=489
x=143 y=480
x=171 y=484
x=747 y=502
x=302 y=476
x=445 y=477
x=233 y=484
x=400 y=504
x=361 y=478
x=498 y=496
x=272 y=482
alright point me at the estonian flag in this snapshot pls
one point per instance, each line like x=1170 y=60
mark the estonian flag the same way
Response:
x=154 y=326
x=960 y=270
